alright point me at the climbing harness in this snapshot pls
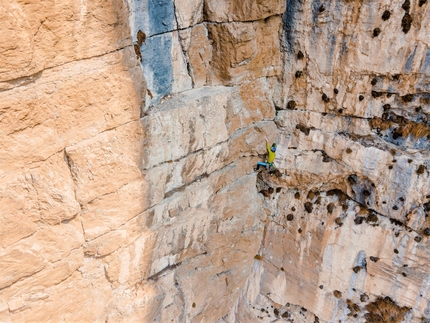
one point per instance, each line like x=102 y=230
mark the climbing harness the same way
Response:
x=271 y=166
x=266 y=183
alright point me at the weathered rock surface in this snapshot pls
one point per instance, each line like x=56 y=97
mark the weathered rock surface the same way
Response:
x=352 y=210
x=42 y=35
x=129 y=133
x=228 y=11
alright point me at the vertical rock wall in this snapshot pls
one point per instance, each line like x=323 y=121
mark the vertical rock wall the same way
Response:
x=348 y=240
x=129 y=135
x=209 y=104
x=126 y=171
x=71 y=92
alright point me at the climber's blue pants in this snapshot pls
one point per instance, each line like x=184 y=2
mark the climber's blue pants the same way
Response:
x=270 y=165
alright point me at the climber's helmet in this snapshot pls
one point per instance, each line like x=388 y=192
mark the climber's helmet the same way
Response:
x=273 y=148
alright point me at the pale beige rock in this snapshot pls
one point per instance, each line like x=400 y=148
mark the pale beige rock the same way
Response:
x=228 y=174
x=40 y=262
x=250 y=140
x=25 y=293
x=110 y=211
x=181 y=79
x=312 y=166
x=72 y=300
x=56 y=242
x=113 y=240
x=133 y=304
x=331 y=123
x=188 y=13
x=52 y=274
x=66 y=76
x=20 y=210
x=115 y=153
x=17 y=263
x=295 y=265
x=195 y=123
x=350 y=62
x=228 y=262
x=416 y=219
x=331 y=145
x=67 y=105
x=242 y=51
x=106 y=218
x=42 y=193
x=51 y=33
x=248 y=10
x=130 y=264
x=198 y=49
x=172 y=176
x=255 y=104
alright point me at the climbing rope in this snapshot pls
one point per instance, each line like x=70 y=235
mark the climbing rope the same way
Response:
x=266 y=188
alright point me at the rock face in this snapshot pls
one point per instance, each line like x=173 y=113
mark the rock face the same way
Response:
x=129 y=135
x=357 y=186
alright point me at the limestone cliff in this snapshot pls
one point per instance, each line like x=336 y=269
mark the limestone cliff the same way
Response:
x=129 y=135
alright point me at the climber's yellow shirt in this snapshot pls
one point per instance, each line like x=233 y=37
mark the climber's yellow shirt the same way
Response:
x=270 y=154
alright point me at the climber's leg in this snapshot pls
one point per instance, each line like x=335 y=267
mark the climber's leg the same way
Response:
x=261 y=164
x=271 y=168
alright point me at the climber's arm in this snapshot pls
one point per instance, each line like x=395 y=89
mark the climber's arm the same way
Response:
x=267 y=145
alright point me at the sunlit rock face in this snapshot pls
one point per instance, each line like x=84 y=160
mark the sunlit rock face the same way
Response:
x=129 y=135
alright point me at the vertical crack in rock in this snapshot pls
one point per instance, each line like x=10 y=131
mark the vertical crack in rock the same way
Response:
x=184 y=52
x=70 y=166
x=180 y=302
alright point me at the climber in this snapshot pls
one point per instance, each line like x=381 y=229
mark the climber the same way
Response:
x=271 y=154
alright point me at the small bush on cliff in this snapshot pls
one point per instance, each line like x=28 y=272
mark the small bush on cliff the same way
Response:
x=384 y=310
